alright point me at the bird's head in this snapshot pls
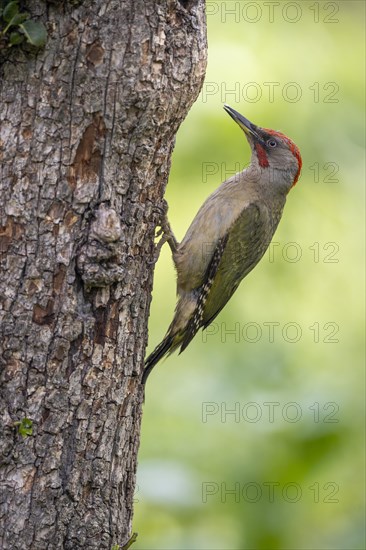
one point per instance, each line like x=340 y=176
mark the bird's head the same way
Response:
x=271 y=150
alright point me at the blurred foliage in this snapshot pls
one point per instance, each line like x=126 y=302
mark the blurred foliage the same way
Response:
x=15 y=26
x=292 y=450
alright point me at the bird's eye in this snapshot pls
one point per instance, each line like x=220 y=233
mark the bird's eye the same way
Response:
x=272 y=143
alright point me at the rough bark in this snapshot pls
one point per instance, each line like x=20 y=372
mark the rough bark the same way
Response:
x=87 y=131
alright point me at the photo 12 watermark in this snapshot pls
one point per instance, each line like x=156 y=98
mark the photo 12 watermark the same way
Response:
x=252 y=332
x=253 y=412
x=273 y=12
x=326 y=172
x=290 y=252
x=271 y=92
x=269 y=491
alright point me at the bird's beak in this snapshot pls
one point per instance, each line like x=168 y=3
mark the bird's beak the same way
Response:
x=249 y=128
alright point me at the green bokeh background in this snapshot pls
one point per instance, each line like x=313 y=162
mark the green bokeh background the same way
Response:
x=295 y=468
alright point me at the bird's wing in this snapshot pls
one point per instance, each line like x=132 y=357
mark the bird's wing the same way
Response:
x=248 y=240
x=234 y=256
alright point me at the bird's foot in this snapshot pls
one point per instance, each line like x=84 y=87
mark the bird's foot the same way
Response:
x=165 y=232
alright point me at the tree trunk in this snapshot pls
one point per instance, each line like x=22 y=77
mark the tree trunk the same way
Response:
x=87 y=131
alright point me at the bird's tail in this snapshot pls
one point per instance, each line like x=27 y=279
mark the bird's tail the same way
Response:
x=166 y=346
x=173 y=339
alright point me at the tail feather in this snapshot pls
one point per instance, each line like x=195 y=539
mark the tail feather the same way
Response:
x=166 y=346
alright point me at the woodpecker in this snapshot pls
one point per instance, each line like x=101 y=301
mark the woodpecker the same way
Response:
x=229 y=235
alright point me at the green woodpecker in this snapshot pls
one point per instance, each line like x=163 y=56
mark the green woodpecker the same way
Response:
x=229 y=235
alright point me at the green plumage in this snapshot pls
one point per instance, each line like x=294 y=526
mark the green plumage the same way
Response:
x=228 y=237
